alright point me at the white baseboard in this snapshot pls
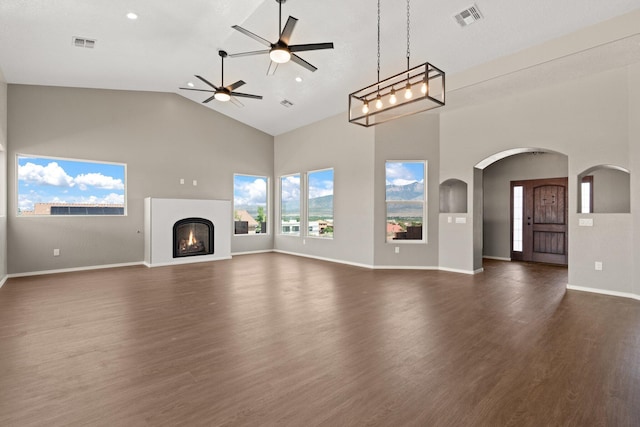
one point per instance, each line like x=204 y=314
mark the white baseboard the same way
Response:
x=405 y=267
x=4 y=279
x=456 y=270
x=70 y=270
x=337 y=261
x=603 y=292
x=188 y=260
x=263 y=251
x=497 y=258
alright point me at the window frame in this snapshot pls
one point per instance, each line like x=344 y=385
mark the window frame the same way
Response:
x=300 y=205
x=266 y=208
x=307 y=184
x=423 y=202
x=124 y=166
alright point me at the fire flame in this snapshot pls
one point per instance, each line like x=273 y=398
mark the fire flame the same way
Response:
x=192 y=239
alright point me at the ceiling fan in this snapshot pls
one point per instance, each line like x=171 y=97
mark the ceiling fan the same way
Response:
x=281 y=51
x=224 y=93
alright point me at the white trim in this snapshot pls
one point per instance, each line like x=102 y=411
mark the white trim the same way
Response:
x=381 y=267
x=497 y=258
x=3 y=280
x=455 y=270
x=337 y=261
x=263 y=251
x=186 y=260
x=69 y=270
x=603 y=292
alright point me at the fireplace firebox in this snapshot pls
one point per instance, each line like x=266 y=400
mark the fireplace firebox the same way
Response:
x=192 y=237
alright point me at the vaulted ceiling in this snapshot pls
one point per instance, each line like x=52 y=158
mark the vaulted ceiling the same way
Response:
x=171 y=41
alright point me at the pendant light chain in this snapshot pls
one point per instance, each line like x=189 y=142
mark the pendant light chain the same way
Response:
x=408 y=33
x=378 y=40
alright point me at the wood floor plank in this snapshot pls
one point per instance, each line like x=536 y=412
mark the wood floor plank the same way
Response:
x=272 y=339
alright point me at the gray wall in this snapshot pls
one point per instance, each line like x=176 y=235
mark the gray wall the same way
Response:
x=588 y=120
x=633 y=78
x=3 y=177
x=497 y=201
x=161 y=137
x=349 y=149
x=611 y=191
x=410 y=138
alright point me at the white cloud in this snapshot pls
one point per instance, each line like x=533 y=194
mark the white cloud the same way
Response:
x=290 y=187
x=400 y=181
x=25 y=204
x=251 y=193
x=97 y=180
x=320 y=189
x=52 y=174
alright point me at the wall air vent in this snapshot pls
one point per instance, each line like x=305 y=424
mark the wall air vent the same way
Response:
x=83 y=42
x=468 y=16
x=286 y=103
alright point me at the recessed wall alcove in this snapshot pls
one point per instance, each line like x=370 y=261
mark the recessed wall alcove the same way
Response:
x=453 y=196
x=604 y=189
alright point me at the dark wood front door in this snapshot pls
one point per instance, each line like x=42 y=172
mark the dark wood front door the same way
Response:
x=539 y=225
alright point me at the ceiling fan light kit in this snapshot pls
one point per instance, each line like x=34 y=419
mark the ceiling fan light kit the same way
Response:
x=281 y=51
x=413 y=91
x=223 y=93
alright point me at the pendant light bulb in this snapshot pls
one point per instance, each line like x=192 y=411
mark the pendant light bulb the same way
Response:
x=392 y=98
x=407 y=92
x=425 y=87
x=378 y=102
x=365 y=107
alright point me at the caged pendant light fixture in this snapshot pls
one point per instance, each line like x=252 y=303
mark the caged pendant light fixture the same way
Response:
x=415 y=90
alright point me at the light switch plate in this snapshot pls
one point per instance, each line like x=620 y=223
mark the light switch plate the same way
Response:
x=585 y=222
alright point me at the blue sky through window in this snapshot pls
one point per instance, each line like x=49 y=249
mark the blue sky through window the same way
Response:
x=51 y=180
x=320 y=183
x=403 y=173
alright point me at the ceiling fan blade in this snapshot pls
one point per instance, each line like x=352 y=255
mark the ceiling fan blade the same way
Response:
x=246 y=95
x=254 y=52
x=288 y=29
x=208 y=82
x=273 y=66
x=208 y=99
x=234 y=86
x=199 y=90
x=252 y=35
x=235 y=102
x=295 y=58
x=310 y=46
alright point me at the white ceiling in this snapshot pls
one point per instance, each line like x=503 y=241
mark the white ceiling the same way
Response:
x=173 y=40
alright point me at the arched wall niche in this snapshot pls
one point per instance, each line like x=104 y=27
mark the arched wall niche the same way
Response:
x=604 y=189
x=453 y=196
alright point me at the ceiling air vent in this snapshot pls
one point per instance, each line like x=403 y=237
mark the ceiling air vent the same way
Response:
x=286 y=103
x=83 y=42
x=468 y=16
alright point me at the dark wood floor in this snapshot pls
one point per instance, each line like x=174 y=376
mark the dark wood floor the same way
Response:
x=272 y=339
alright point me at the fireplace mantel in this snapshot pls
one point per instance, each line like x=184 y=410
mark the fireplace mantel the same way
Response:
x=161 y=214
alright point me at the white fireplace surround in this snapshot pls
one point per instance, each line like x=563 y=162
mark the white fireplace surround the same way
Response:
x=161 y=214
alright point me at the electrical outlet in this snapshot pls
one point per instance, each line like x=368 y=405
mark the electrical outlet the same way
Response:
x=397 y=249
x=195 y=182
x=56 y=252
x=182 y=181
x=304 y=241
x=599 y=265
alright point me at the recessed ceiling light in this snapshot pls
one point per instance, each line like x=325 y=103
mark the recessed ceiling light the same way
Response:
x=298 y=79
x=190 y=84
x=132 y=15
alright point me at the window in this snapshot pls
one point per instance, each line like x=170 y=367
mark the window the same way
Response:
x=290 y=205
x=250 y=204
x=518 y=216
x=586 y=195
x=320 y=203
x=405 y=200
x=52 y=187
